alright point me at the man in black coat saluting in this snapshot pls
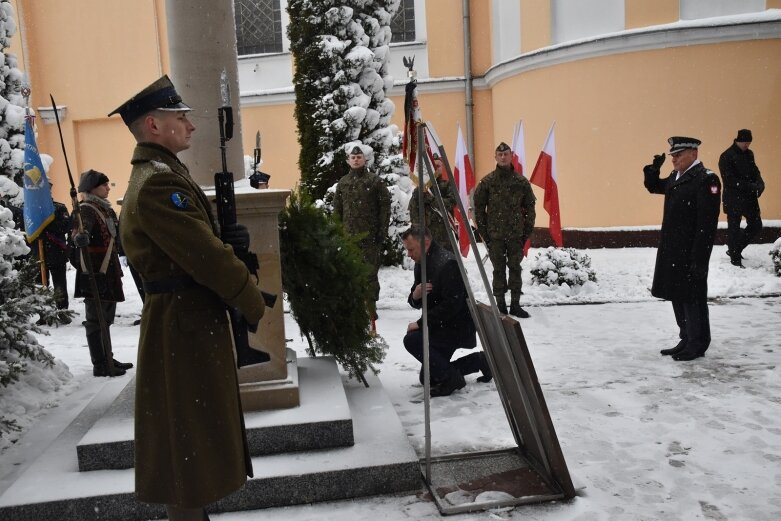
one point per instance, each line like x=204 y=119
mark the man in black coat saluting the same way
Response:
x=692 y=195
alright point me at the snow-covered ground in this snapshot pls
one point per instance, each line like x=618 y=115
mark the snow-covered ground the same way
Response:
x=648 y=438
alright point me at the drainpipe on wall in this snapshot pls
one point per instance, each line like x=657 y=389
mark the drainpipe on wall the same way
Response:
x=469 y=104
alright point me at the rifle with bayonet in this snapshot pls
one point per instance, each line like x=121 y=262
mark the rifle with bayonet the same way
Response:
x=226 y=216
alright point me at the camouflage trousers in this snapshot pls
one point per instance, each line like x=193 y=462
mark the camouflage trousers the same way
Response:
x=506 y=255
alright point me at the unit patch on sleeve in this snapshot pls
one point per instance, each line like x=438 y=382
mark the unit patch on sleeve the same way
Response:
x=180 y=200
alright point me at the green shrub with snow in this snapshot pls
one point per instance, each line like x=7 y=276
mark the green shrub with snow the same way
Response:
x=775 y=254
x=559 y=266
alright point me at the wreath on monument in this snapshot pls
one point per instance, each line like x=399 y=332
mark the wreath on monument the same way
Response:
x=326 y=282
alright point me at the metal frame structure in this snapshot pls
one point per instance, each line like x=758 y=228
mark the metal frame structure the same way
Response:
x=505 y=348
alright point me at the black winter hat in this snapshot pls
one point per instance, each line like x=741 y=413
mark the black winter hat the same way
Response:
x=91 y=179
x=744 y=136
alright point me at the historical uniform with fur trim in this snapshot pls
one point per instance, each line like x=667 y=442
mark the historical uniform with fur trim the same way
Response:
x=692 y=195
x=190 y=443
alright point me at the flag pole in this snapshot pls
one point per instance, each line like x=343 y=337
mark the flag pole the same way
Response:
x=84 y=254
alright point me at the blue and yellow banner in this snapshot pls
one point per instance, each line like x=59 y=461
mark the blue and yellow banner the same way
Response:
x=38 y=204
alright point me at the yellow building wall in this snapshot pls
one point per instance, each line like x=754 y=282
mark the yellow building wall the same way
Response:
x=642 y=13
x=445 y=38
x=279 y=141
x=91 y=59
x=480 y=31
x=535 y=25
x=614 y=113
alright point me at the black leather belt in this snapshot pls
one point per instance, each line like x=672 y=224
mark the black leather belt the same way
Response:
x=169 y=285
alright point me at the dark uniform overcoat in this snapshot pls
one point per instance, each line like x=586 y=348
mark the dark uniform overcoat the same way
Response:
x=190 y=445
x=437 y=223
x=55 y=237
x=691 y=213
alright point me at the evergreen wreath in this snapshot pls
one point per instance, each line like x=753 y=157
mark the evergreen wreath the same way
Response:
x=775 y=255
x=326 y=282
x=559 y=266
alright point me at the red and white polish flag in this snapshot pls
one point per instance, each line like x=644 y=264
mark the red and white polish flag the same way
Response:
x=465 y=182
x=544 y=176
x=519 y=151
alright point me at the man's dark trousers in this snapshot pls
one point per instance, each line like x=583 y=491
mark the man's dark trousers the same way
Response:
x=737 y=238
x=439 y=356
x=694 y=323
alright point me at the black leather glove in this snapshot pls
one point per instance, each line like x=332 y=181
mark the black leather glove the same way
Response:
x=253 y=328
x=81 y=240
x=237 y=236
x=658 y=160
x=760 y=188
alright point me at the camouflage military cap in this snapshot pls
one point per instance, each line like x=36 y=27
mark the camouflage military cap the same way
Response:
x=356 y=151
x=159 y=95
x=503 y=147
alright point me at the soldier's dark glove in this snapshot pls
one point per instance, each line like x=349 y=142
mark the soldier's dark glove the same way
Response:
x=760 y=188
x=237 y=236
x=81 y=240
x=658 y=160
x=253 y=328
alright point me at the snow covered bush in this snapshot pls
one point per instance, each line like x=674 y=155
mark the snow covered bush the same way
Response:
x=558 y=266
x=775 y=254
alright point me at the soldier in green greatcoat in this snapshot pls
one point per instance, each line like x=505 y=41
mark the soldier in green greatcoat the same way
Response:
x=362 y=202
x=436 y=223
x=504 y=210
x=190 y=443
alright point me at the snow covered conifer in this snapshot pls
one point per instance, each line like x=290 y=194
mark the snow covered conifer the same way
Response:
x=11 y=113
x=340 y=48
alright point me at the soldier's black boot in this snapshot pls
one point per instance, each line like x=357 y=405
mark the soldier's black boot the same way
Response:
x=99 y=365
x=674 y=350
x=501 y=305
x=454 y=382
x=515 y=307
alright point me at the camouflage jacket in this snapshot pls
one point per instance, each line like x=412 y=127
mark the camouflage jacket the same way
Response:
x=435 y=221
x=362 y=202
x=504 y=205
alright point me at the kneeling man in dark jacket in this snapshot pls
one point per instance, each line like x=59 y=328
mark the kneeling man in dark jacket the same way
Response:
x=449 y=321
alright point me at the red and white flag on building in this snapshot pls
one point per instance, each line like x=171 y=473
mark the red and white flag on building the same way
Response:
x=465 y=182
x=544 y=176
x=519 y=151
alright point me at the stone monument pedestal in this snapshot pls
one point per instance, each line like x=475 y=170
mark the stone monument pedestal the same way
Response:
x=267 y=385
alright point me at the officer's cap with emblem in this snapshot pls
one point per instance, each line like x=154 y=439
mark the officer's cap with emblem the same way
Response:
x=159 y=95
x=91 y=179
x=503 y=147
x=680 y=143
x=356 y=151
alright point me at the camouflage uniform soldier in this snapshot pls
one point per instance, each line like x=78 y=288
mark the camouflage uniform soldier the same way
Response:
x=504 y=210
x=436 y=223
x=362 y=202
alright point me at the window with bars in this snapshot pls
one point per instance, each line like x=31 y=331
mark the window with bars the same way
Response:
x=403 y=23
x=258 y=26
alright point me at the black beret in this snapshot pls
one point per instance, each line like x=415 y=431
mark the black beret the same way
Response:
x=160 y=95
x=679 y=143
x=91 y=179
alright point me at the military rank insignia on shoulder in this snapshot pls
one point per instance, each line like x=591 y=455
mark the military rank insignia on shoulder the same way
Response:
x=180 y=200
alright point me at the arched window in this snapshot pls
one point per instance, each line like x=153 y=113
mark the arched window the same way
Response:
x=403 y=23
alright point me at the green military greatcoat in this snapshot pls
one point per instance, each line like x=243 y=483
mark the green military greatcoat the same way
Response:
x=190 y=445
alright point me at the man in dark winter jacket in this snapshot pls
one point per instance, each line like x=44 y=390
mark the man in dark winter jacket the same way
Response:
x=55 y=252
x=743 y=185
x=437 y=223
x=97 y=244
x=692 y=194
x=450 y=324
x=505 y=215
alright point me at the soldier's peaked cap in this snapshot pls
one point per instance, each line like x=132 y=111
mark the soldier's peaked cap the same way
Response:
x=159 y=95
x=678 y=143
x=356 y=151
x=503 y=147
